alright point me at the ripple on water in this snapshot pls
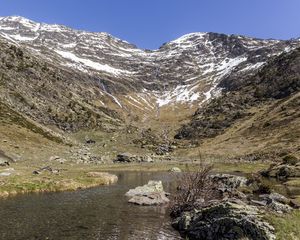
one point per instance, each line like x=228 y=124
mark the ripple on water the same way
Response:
x=98 y=213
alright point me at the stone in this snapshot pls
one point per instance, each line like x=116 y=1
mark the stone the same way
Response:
x=107 y=177
x=147 y=159
x=155 y=198
x=232 y=219
x=275 y=197
x=175 y=169
x=44 y=169
x=282 y=171
x=149 y=194
x=276 y=202
x=228 y=182
x=294 y=204
x=150 y=187
x=125 y=158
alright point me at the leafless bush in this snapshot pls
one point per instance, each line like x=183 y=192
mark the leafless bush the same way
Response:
x=194 y=189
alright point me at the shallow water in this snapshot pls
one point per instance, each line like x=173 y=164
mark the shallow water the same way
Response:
x=98 y=213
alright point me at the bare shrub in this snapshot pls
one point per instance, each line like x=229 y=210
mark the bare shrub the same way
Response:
x=194 y=189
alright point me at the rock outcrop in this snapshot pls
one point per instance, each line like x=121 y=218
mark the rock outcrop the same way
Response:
x=232 y=214
x=231 y=219
x=129 y=158
x=289 y=167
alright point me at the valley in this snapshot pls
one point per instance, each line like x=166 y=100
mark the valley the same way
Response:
x=74 y=104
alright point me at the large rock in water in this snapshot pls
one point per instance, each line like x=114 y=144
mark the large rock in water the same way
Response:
x=231 y=219
x=150 y=194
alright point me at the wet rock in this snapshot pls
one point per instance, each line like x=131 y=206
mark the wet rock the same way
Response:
x=175 y=169
x=232 y=219
x=107 y=177
x=149 y=194
x=150 y=187
x=155 y=198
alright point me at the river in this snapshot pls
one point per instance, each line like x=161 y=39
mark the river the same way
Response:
x=96 y=213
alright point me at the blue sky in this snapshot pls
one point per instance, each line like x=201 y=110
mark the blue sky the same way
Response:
x=149 y=23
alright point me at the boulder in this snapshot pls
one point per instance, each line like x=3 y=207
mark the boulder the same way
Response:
x=228 y=182
x=149 y=194
x=276 y=202
x=232 y=219
x=150 y=187
x=155 y=198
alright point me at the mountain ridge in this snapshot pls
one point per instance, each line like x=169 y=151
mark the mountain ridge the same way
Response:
x=75 y=80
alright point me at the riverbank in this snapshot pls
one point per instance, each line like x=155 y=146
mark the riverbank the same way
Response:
x=70 y=177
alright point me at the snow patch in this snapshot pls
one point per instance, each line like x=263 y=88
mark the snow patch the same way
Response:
x=91 y=64
x=183 y=93
x=253 y=66
x=22 y=38
x=6 y=28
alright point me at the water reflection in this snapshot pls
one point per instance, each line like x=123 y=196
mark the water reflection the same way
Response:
x=99 y=213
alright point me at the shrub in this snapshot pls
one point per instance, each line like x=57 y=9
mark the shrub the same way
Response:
x=194 y=189
x=290 y=160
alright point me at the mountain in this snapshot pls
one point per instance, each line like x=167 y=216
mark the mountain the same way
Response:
x=260 y=112
x=70 y=80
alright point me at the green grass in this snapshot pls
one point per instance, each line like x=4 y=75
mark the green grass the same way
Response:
x=287 y=227
x=28 y=183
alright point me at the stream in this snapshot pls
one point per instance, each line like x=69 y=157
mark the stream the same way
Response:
x=97 y=213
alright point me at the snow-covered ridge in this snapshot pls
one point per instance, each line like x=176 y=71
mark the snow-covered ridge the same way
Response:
x=185 y=70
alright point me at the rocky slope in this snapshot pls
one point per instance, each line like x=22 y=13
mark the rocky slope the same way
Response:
x=264 y=107
x=182 y=71
x=72 y=80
